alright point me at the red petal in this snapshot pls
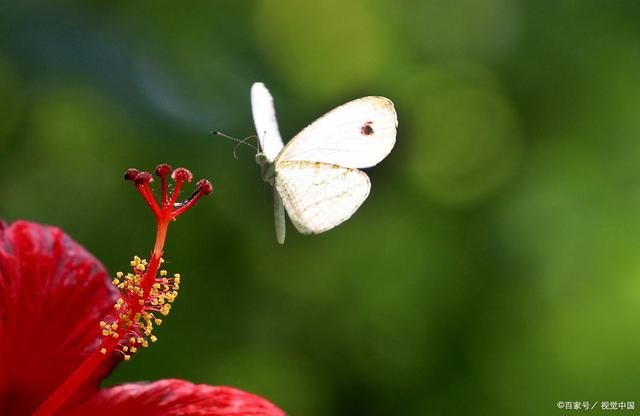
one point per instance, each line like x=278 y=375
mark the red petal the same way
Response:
x=53 y=293
x=174 y=397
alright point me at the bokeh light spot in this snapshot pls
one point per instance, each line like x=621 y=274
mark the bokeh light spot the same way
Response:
x=466 y=142
x=322 y=59
x=463 y=27
x=12 y=102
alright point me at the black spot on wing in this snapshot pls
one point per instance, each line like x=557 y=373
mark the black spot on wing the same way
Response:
x=366 y=129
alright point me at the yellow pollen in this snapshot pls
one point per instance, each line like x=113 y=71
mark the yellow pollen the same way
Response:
x=136 y=308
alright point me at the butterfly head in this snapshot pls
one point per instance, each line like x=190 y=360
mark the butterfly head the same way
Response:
x=261 y=159
x=267 y=169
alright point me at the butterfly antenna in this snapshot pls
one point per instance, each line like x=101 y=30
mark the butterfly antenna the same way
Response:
x=244 y=141
x=238 y=142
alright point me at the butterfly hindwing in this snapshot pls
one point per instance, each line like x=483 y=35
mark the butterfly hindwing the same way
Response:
x=319 y=196
x=278 y=215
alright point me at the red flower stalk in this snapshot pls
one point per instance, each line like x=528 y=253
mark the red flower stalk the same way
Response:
x=53 y=351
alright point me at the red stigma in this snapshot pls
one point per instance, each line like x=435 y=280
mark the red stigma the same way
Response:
x=182 y=174
x=163 y=170
x=205 y=186
x=168 y=208
x=142 y=178
x=131 y=174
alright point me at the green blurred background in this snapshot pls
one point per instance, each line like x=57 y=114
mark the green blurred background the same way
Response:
x=494 y=269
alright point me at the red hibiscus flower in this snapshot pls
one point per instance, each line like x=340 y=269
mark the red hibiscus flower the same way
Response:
x=65 y=324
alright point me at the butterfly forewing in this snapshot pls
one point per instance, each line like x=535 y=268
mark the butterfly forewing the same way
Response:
x=264 y=118
x=357 y=134
x=318 y=196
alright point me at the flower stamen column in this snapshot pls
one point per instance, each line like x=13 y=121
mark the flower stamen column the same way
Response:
x=146 y=291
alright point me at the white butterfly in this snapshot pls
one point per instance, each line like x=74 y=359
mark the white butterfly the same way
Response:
x=315 y=175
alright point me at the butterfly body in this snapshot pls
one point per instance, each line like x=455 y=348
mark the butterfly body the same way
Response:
x=315 y=177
